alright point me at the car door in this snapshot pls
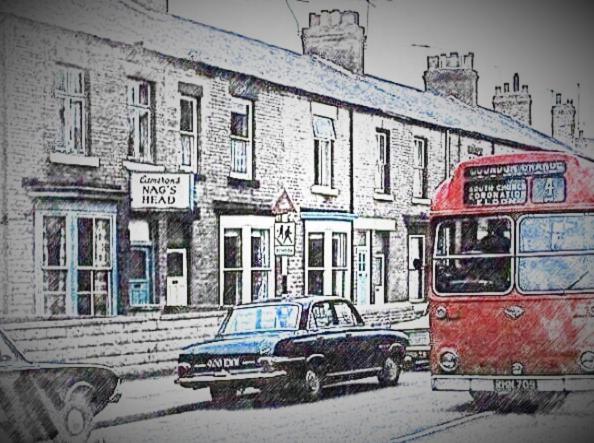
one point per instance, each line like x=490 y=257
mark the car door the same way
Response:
x=358 y=344
x=328 y=337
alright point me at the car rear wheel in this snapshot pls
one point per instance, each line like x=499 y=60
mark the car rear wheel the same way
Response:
x=311 y=389
x=222 y=394
x=390 y=372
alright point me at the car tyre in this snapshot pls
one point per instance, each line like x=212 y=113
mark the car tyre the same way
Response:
x=75 y=421
x=311 y=385
x=390 y=373
x=222 y=394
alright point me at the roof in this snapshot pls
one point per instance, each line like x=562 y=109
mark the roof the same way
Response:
x=127 y=22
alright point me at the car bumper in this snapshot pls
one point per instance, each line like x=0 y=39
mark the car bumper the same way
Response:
x=251 y=378
x=570 y=383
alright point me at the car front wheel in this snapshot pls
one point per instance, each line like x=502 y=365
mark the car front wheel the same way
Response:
x=390 y=372
x=75 y=420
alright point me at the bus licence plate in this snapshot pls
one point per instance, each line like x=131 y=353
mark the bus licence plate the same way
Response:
x=508 y=385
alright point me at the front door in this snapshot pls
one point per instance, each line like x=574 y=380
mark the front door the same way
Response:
x=416 y=267
x=177 y=277
x=379 y=277
x=141 y=271
x=362 y=275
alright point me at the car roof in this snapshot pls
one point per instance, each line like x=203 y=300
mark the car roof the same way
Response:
x=303 y=300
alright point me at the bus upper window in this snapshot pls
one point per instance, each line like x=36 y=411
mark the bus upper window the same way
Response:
x=473 y=255
x=556 y=253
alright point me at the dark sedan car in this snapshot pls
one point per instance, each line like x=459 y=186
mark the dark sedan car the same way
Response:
x=40 y=401
x=291 y=346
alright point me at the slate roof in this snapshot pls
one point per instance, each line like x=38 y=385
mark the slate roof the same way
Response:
x=127 y=22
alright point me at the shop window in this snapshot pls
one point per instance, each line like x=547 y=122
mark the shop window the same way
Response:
x=76 y=264
x=420 y=168
x=324 y=137
x=241 y=139
x=71 y=96
x=382 y=162
x=140 y=120
x=188 y=132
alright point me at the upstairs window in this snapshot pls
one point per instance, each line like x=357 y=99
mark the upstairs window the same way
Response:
x=420 y=168
x=382 y=162
x=241 y=139
x=140 y=115
x=70 y=93
x=188 y=132
x=324 y=136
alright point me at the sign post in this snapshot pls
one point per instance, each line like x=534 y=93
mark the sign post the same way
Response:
x=285 y=234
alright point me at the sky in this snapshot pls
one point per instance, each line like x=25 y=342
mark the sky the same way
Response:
x=548 y=43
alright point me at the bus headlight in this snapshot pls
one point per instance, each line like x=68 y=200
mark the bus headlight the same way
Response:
x=441 y=312
x=587 y=361
x=449 y=361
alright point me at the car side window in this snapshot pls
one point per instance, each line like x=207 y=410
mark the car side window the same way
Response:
x=321 y=316
x=345 y=314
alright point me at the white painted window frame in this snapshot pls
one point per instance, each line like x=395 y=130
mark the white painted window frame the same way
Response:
x=382 y=164
x=70 y=97
x=239 y=106
x=420 y=167
x=327 y=228
x=135 y=111
x=192 y=135
x=245 y=224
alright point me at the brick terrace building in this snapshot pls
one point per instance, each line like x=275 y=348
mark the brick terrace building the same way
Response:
x=145 y=159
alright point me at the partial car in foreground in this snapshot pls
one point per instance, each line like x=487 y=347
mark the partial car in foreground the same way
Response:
x=291 y=347
x=41 y=401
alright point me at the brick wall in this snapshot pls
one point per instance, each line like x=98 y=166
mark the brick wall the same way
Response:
x=134 y=345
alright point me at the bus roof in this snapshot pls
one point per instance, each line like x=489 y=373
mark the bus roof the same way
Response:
x=483 y=185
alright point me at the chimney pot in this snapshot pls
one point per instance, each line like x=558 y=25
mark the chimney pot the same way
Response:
x=558 y=98
x=469 y=60
x=314 y=19
x=497 y=90
x=524 y=88
x=516 y=82
x=506 y=87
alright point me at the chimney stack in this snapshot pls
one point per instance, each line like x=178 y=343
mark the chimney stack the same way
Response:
x=448 y=75
x=337 y=37
x=516 y=103
x=563 y=120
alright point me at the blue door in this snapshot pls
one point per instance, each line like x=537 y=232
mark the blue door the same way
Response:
x=141 y=271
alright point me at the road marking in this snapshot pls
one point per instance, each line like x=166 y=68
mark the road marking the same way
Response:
x=441 y=427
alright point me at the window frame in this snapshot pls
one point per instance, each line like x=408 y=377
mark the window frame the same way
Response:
x=72 y=266
x=382 y=169
x=328 y=228
x=135 y=112
x=248 y=140
x=510 y=255
x=420 y=143
x=323 y=153
x=194 y=155
x=66 y=144
x=245 y=225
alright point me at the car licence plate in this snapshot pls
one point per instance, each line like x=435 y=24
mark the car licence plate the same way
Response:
x=510 y=385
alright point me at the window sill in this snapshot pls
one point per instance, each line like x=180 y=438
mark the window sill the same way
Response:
x=421 y=201
x=137 y=166
x=74 y=159
x=383 y=197
x=324 y=190
x=243 y=183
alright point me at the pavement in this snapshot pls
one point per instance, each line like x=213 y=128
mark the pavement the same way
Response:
x=146 y=398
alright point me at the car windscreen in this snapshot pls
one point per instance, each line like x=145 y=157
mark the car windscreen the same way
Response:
x=556 y=253
x=473 y=255
x=262 y=318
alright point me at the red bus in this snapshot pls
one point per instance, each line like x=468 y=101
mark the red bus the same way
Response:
x=511 y=300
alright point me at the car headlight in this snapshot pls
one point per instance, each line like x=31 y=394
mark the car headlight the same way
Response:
x=266 y=347
x=449 y=361
x=587 y=361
